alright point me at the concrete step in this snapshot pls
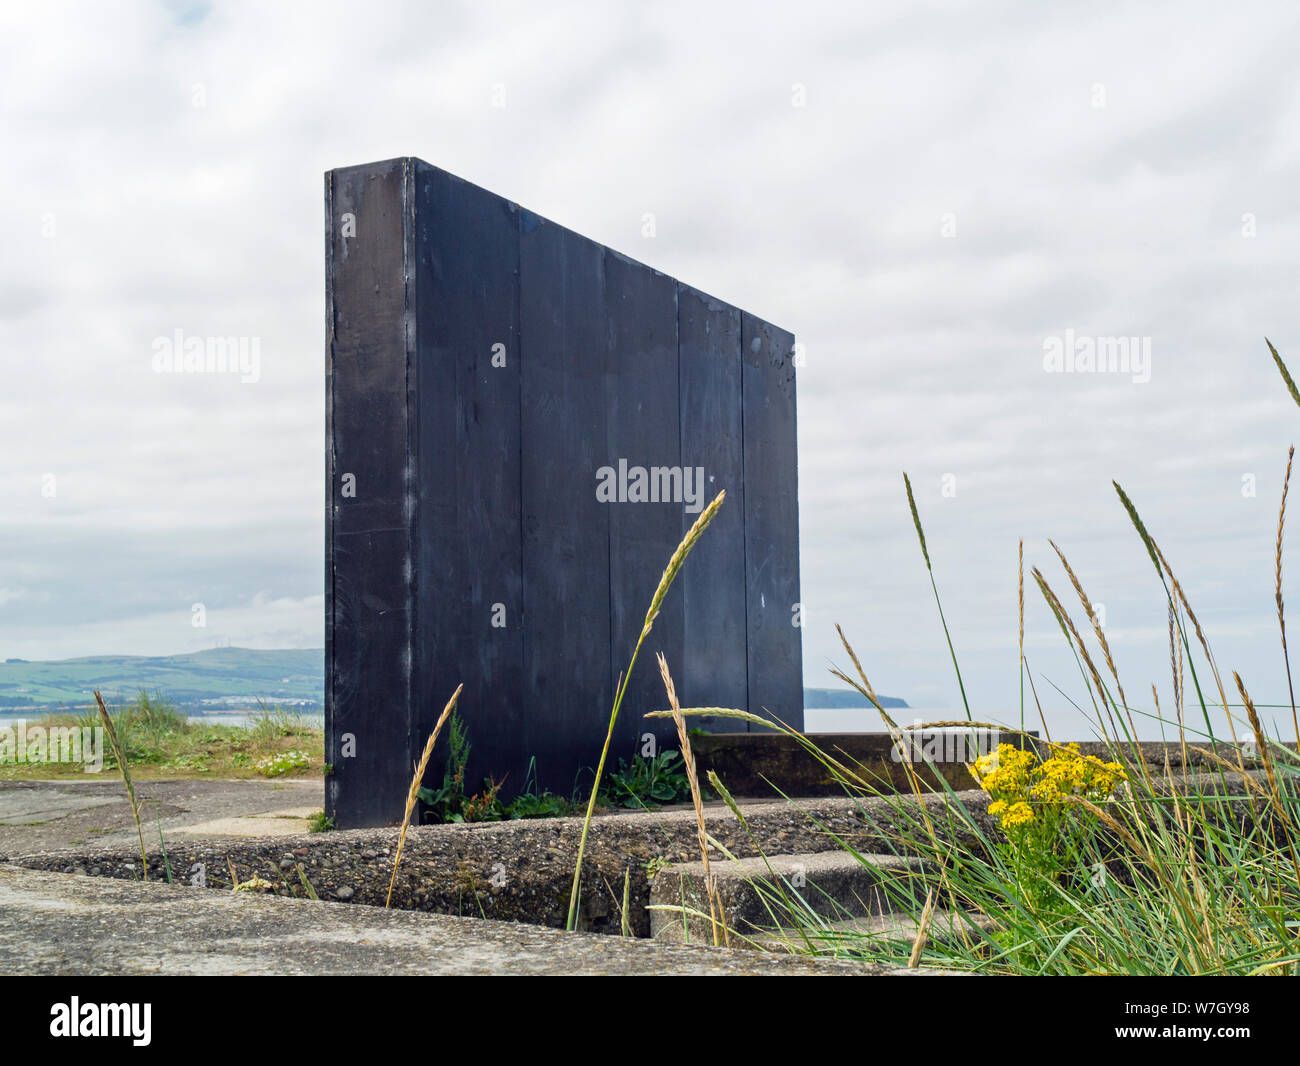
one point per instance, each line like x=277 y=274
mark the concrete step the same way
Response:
x=834 y=885
x=831 y=938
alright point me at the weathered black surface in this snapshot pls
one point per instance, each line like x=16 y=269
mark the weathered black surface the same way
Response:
x=645 y=430
x=567 y=690
x=476 y=490
x=468 y=562
x=771 y=520
x=715 y=670
x=368 y=594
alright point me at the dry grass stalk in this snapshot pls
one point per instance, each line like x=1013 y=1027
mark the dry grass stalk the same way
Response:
x=414 y=794
x=1064 y=617
x=1175 y=667
x=916 y=521
x=865 y=687
x=716 y=916
x=1020 y=596
x=1096 y=622
x=1173 y=664
x=895 y=732
x=1261 y=741
x=679 y=557
x=922 y=930
x=1105 y=650
x=1222 y=763
x=1286 y=374
x=1138 y=524
x=1182 y=732
x=625 y=921
x=1181 y=597
x=1124 y=834
x=1182 y=682
x=110 y=730
x=1173 y=670
x=1020 y=617
x=1281 y=614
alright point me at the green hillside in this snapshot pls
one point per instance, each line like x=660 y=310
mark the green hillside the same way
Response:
x=218 y=677
x=209 y=679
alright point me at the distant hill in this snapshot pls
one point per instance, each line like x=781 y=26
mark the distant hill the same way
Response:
x=220 y=678
x=845 y=697
x=213 y=679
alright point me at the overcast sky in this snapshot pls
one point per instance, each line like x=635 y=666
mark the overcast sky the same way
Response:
x=924 y=194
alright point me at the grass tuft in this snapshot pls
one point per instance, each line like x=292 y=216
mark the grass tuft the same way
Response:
x=675 y=563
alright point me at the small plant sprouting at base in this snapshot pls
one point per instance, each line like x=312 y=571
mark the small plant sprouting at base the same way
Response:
x=644 y=784
x=449 y=804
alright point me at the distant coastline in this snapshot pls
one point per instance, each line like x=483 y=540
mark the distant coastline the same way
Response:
x=835 y=698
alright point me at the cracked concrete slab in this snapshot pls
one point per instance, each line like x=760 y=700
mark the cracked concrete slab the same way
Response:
x=70 y=925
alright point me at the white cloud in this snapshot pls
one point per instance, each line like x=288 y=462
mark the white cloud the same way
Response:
x=924 y=352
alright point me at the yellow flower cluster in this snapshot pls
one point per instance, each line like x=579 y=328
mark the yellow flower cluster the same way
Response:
x=1005 y=771
x=1023 y=789
x=1013 y=814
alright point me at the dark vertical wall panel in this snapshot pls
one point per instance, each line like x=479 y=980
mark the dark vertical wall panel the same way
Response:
x=567 y=691
x=469 y=557
x=771 y=521
x=714 y=670
x=476 y=485
x=644 y=430
x=368 y=549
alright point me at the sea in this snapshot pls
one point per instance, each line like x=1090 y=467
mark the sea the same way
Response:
x=230 y=717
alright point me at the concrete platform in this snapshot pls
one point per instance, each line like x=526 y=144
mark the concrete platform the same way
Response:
x=65 y=924
x=511 y=871
x=38 y=815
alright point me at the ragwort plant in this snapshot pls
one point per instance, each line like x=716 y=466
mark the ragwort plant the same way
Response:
x=1033 y=801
